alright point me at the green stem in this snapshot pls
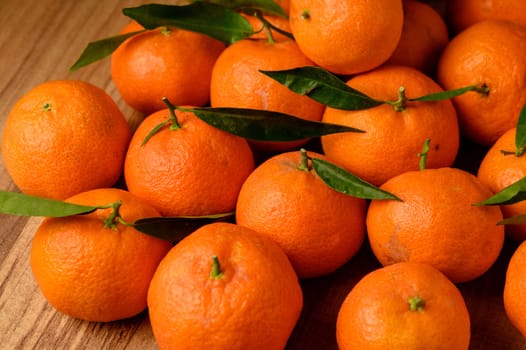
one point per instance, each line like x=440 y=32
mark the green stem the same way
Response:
x=165 y=31
x=482 y=89
x=174 y=123
x=216 y=272
x=423 y=154
x=304 y=160
x=518 y=152
x=115 y=216
x=399 y=105
x=416 y=303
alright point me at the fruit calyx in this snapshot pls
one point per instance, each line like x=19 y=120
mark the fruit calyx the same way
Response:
x=304 y=161
x=171 y=122
x=483 y=89
x=115 y=217
x=305 y=14
x=216 y=272
x=165 y=31
x=46 y=107
x=416 y=303
x=400 y=103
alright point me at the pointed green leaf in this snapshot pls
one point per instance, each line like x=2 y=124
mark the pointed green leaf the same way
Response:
x=513 y=193
x=216 y=21
x=322 y=86
x=264 y=125
x=514 y=220
x=15 y=203
x=175 y=229
x=266 y=6
x=343 y=181
x=520 y=133
x=100 y=49
x=445 y=95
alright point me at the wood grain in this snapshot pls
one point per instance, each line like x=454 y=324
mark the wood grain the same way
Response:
x=38 y=42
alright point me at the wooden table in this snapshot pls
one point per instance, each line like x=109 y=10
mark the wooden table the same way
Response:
x=39 y=40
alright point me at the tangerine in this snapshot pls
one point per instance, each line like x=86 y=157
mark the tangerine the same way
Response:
x=93 y=267
x=404 y=306
x=461 y=14
x=394 y=132
x=489 y=54
x=64 y=137
x=224 y=287
x=319 y=228
x=424 y=36
x=165 y=62
x=344 y=37
x=437 y=223
x=515 y=289
x=501 y=166
x=187 y=167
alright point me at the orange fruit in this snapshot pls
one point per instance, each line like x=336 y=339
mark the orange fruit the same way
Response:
x=498 y=170
x=437 y=223
x=224 y=287
x=394 y=135
x=424 y=36
x=95 y=272
x=347 y=37
x=319 y=228
x=64 y=137
x=404 y=306
x=195 y=169
x=490 y=54
x=461 y=14
x=237 y=82
x=165 y=62
x=515 y=289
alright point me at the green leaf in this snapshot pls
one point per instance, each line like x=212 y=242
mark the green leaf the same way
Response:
x=214 y=20
x=264 y=125
x=513 y=193
x=175 y=229
x=100 y=49
x=514 y=220
x=520 y=133
x=445 y=95
x=343 y=181
x=322 y=86
x=268 y=7
x=15 y=203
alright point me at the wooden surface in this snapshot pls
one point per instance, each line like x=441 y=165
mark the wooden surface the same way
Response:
x=39 y=40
